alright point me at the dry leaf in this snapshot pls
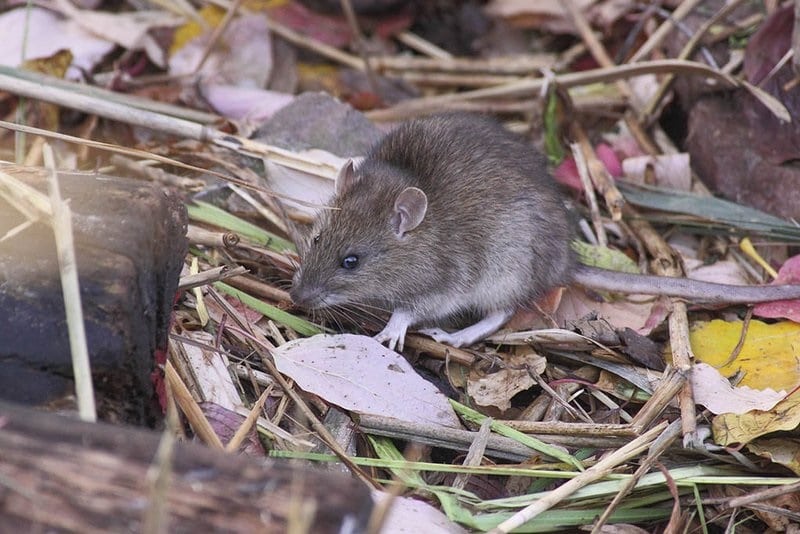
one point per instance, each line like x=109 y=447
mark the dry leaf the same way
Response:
x=242 y=56
x=783 y=451
x=359 y=374
x=671 y=171
x=789 y=273
x=309 y=187
x=567 y=171
x=40 y=113
x=412 y=515
x=129 y=29
x=210 y=369
x=730 y=429
x=640 y=313
x=721 y=272
x=544 y=15
x=333 y=31
x=46 y=34
x=250 y=105
x=623 y=381
x=716 y=393
x=497 y=389
x=226 y=423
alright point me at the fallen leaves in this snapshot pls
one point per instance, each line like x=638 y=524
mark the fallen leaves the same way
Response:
x=730 y=429
x=356 y=372
x=44 y=34
x=497 y=388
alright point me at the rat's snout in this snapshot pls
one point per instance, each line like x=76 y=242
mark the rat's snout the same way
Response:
x=305 y=296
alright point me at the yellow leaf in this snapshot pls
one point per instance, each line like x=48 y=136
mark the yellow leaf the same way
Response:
x=40 y=113
x=768 y=358
x=211 y=14
x=55 y=65
x=604 y=257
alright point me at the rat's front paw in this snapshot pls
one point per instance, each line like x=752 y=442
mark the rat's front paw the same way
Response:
x=392 y=339
x=394 y=333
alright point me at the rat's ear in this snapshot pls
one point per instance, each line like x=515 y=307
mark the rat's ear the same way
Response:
x=347 y=177
x=409 y=210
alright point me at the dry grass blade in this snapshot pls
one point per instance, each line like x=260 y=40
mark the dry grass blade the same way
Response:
x=190 y=408
x=56 y=212
x=62 y=228
x=531 y=88
x=283 y=157
x=596 y=472
x=209 y=277
x=247 y=425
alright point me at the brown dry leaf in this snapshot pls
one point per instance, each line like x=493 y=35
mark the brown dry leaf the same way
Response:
x=768 y=45
x=497 y=389
x=777 y=521
x=333 y=31
x=217 y=313
x=670 y=171
x=783 y=451
x=621 y=383
x=743 y=144
x=730 y=429
x=638 y=312
x=768 y=356
x=226 y=423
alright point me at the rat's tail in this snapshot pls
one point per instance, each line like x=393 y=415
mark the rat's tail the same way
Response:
x=694 y=290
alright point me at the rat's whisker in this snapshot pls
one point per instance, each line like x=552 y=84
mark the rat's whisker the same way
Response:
x=292 y=262
x=365 y=311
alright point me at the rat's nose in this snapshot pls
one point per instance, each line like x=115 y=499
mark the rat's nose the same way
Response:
x=305 y=296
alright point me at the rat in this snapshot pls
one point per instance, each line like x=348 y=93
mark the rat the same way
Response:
x=451 y=215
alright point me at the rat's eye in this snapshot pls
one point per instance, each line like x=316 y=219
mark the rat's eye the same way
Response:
x=350 y=262
x=315 y=238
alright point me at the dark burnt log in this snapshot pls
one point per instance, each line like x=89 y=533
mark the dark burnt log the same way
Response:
x=130 y=245
x=58 y=474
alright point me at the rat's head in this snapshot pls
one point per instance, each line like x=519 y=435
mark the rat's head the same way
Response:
x=358 y=251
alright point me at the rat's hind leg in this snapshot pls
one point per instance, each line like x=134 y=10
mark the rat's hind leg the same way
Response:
x=469 y=335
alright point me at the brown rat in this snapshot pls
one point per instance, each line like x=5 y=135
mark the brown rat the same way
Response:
x=453 y=214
